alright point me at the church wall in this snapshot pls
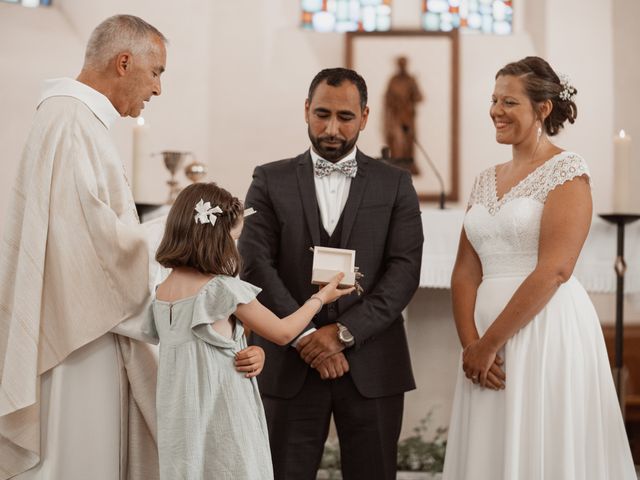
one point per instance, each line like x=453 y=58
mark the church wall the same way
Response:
x=237 y=76
x=31 y=42
x=626 y=87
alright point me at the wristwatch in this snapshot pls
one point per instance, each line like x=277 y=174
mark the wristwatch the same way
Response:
x=344 y=335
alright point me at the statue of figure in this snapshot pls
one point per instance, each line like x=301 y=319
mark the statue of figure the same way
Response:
x=400 y=101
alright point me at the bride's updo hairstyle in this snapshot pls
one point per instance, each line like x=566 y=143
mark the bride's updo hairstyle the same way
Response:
x=542 y=83
x=208 y=248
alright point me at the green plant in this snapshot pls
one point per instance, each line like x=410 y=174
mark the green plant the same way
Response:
x=331 y=459
x=416 y=454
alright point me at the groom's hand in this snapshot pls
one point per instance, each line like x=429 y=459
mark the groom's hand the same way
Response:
x=317 y=346
x=333 y=367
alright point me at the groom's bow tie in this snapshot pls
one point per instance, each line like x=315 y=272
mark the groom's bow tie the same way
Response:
x=323 y=168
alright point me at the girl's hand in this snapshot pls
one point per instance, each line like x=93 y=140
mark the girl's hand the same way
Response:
x=250 y=360
x=330 y=292
x=478 y=358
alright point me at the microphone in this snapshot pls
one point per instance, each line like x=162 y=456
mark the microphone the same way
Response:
x=405 y=129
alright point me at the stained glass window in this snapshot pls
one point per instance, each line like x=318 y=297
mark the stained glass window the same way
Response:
x=30 y=3
x=346 y=15
x=485 y=16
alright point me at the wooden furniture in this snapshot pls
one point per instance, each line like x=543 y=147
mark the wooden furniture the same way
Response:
x=631 y=388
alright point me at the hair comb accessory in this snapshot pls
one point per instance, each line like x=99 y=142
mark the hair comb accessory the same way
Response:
x=568 y=92
x=206 y=213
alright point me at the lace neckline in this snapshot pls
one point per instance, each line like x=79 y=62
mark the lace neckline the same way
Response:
x=516 y=186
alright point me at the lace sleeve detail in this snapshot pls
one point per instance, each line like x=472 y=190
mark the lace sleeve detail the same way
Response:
x=481 y=191
x=473 y=198
x=566 y=168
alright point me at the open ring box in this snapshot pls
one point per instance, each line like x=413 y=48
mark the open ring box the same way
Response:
x=328 y=262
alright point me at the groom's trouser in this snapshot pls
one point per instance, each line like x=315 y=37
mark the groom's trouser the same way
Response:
x=368 y=430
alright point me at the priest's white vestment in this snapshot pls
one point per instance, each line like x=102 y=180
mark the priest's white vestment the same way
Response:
x=76 y=400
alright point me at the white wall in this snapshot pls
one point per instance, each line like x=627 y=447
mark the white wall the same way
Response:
x=34 y=44
x=238 y=72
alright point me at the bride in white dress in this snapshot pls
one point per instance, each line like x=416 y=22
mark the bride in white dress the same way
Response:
x=534 y=397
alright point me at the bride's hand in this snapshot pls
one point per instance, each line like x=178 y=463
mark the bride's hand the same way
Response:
x=481 y=364
x=496 y=376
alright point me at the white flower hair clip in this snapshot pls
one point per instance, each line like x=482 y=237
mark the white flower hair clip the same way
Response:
x=206 y=213
x=568 y=92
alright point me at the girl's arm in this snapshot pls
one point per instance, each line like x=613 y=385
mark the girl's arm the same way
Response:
x=282 y=330
x=564 y=227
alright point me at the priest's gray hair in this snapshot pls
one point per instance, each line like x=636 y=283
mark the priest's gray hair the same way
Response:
x=117 y=34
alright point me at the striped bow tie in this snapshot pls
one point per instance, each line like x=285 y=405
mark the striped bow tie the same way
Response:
x=323 y=168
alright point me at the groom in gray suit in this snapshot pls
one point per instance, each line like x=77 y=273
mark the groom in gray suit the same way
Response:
x=352 y=362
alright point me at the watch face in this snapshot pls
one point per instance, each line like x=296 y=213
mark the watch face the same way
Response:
x=345 y=336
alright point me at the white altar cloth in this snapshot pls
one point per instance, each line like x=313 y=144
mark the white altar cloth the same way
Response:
x=594 y=268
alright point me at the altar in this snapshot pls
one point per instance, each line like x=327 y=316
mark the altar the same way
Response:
x=594 y=268
x=433 y=340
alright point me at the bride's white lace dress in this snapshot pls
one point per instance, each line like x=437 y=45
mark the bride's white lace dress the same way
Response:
x=558 y=417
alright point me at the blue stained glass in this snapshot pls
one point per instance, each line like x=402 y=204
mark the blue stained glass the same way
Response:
x=431 y=22
x=487 y=23
x=438 y=6
x=446 y=27
x=323 y=22
x=33 y=3
x=487 y=16
x=368 y=19
x=474 y=21
x=342 y=11
x=345 y=27
x=354 y=10
x=384 y=24
x=311 y=5
x=346 y=15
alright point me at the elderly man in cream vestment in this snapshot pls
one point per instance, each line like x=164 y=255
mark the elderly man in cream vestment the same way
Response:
x=76 y=388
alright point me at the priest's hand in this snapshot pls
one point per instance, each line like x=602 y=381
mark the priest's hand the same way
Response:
x=482 y=365
x=332 y=367
x=250 y=360
x=317 y=346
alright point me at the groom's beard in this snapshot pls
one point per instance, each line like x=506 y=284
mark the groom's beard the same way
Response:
x=332 y=153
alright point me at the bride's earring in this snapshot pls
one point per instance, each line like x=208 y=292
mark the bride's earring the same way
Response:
x=539 y=132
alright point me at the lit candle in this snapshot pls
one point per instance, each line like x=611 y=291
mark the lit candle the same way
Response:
x=623 y=178
x=141 y=154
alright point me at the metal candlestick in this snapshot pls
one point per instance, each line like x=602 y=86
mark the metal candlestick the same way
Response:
x=195 y=171
x=619 y=219
x=173 y=160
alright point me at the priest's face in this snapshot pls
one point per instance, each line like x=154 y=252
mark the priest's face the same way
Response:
x=141 y=79
x=335 y=119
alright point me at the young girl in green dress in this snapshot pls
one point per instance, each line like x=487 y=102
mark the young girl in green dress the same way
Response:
x=211 y=422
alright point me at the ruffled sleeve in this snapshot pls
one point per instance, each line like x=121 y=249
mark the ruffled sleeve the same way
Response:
x=149 y=326
x=218 y=300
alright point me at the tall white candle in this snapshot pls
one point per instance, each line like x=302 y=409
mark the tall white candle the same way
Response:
x=141 y=156
x=622 y=187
